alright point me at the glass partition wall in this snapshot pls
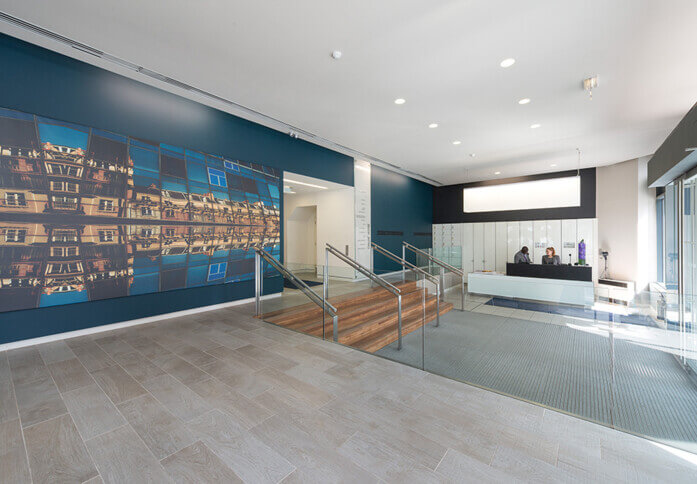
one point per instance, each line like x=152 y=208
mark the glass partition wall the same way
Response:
x=626 y=361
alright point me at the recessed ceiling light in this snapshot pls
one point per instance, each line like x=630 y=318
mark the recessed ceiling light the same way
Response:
x=399 y=100
x=507 y=62
x=525 y=100
x=497 y=173
x=535 y=126
x=457 y=142
x=433 y=125
x=553 y=165
x=336 y=55
x=472 y=155
x=303 y=183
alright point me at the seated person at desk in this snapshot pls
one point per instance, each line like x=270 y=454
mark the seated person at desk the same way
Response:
x=521 y=257
x=550 y=257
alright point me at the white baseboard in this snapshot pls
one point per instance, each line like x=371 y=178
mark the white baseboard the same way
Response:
x=125 y=324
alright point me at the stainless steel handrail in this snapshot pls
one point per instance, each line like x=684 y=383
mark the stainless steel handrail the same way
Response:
x=364 y=270
x=432 y=259
x=405 y=263
x=370 y=275
x=299 y=283
x=443 y=265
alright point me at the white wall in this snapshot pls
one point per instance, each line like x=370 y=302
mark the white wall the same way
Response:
x=335 y=223
x=361 y=182
x=300 y=233
x=490 y=245
x=626 y=212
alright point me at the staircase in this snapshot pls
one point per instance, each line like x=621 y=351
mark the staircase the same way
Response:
x=367 y=319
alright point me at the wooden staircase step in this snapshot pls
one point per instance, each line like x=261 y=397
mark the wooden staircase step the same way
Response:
x=344 y=302
x=372 y=325
x=356 y=315
x=388 y=334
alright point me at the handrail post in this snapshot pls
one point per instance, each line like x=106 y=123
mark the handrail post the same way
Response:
x=404 y=269
x=399 y=322
x=372 y=267
x=335 y=322
x=423 y=325
x=442 y=280
x=257 y=283
x=463 y=290
x=325 y=293
x=437 y=305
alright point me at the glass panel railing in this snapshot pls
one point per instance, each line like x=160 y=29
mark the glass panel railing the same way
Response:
x=605 y=354
x=620 y=359
x=292 y=299
x=448 y=270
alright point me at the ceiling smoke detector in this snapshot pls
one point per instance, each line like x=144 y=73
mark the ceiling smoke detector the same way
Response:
x=336 y=55
x=590 y=84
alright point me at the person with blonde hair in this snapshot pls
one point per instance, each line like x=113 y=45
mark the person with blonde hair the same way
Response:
x=550 y=257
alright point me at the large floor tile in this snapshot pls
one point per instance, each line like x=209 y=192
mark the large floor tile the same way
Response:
x=57 y=452
x=122 y=457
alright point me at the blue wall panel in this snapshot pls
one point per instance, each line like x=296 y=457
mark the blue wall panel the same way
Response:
x=36 y=80
x=402 y=206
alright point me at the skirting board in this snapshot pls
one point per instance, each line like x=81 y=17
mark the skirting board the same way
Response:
x=125 y=324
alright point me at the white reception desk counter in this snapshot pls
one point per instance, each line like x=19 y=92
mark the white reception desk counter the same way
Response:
x=552 y=290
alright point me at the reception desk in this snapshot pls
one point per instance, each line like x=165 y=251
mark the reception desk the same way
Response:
x=549 y=271
x=566 y=291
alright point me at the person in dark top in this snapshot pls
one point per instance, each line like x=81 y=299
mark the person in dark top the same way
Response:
x=522 y=256
x=550 y=257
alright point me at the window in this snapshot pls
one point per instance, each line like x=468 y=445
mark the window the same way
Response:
x=229 y=165
x=59 y=169
x=106 y=205
x=64 y=251
x=106 y=235
x=67 y=268
x=169 y=232
x=146 y=232
x=169 y=212
x=15 y=199
x=217 y=271
x=64 y=236
x=145 y=211
x=217 y=177
x=64 y=186
x=64 y=203
x=660 y=227
x=15 y=235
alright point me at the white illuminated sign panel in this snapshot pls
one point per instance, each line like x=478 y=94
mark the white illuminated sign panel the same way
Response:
x=551 y=193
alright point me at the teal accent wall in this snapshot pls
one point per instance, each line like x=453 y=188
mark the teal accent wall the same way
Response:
x=401 y=210
x=36 y=80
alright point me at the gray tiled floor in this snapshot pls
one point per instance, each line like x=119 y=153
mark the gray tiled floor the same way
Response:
x=222 y=397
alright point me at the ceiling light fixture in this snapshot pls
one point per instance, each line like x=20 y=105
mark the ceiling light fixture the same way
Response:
x=553 y=165
x=590 y=84
x=303 y=183
x=336 y=55
x=497 y=173
x=535 y=126
x=472 y=155
x=433 y=125
x=507 y=62
x=525 y=100
x=400 y=100
x=457 y=142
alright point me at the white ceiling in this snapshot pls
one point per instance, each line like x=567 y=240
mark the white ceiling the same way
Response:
x=442 y=56
x=306 y=183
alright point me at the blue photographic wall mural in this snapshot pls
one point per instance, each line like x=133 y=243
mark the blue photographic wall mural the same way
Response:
x=88 y=214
